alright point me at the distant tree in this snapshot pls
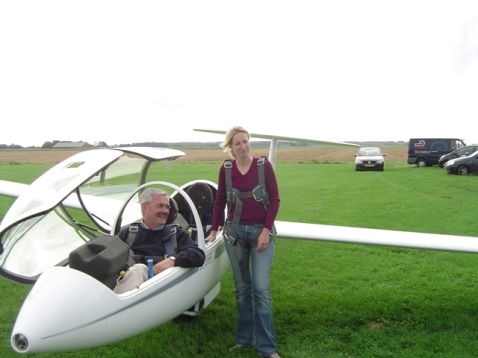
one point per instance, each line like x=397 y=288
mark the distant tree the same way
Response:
x=47 y=145
x=11 y=146
x=101 y=144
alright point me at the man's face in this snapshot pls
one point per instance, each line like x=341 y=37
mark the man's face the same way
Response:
x=156 y=212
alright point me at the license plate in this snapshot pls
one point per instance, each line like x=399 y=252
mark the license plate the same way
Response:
x=369 y=165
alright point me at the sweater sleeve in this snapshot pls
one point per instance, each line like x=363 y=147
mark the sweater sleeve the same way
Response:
x=220 y=200
x=273 y=192
x=189 y=254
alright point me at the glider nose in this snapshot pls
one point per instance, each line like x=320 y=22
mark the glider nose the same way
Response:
x=20 y=343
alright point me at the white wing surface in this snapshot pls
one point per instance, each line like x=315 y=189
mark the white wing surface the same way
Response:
x=355 y=235
x=13 y=189
x=274 y=138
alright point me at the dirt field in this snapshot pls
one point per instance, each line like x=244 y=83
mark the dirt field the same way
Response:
x=297 y=154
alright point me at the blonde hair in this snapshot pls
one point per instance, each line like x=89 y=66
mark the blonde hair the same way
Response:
x=227 y=144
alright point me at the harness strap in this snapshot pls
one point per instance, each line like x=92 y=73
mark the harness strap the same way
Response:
x=234 y=196
x=145 y=258
x=240 y=255
x=228 y=168
x=238 y=211
x=169 y=240
x=132 y=232
x=262 y=182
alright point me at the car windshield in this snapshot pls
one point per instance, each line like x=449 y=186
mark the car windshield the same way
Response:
x=466 y=150
x=473 y=154
x=369 y=152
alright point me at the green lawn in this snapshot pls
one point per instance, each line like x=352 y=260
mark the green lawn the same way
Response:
x=331 y=299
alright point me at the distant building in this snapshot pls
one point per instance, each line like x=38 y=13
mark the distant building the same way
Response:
x=71 y=145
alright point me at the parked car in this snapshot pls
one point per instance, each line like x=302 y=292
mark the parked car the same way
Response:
x=369 y=158
x=463 y=166
x=425 y=152
x=457 y=153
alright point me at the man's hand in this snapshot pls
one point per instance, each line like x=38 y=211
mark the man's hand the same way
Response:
x=162 y=265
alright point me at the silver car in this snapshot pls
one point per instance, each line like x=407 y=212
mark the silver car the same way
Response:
x=369 y=158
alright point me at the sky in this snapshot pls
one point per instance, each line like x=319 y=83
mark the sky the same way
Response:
x=137 y=71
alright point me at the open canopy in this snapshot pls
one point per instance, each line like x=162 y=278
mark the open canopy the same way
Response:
x=73 y=202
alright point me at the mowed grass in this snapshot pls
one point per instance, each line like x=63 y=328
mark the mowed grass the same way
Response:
x=331 y=299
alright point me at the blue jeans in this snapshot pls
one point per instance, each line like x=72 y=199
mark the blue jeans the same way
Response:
x=253 y=296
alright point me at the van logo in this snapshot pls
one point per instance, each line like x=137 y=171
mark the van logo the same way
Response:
x=420 y=144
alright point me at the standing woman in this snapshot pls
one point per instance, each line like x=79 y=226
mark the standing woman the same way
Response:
x=249 y=239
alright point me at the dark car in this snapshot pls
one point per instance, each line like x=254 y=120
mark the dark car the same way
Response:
x=457 y=153
x=425 y=152
x=464 y=165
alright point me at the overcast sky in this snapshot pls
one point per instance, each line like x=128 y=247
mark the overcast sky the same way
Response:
x=135 y=71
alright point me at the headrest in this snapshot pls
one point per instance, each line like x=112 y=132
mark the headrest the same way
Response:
x=202 y=196
x=173 y=212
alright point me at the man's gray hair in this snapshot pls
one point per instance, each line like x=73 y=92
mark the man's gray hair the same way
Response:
x=147 y=195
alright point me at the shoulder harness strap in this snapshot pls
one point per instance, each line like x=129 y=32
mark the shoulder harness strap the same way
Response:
x=228 y=168
x=262 y=183
x=169 y=239
x=132 y=232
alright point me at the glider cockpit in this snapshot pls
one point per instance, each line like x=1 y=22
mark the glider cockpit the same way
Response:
x=83 y=197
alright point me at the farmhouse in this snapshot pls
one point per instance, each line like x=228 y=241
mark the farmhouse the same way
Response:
x=63 y=145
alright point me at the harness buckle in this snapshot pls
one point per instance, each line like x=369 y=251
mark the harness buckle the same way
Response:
x=229 y=237
x=258 y=193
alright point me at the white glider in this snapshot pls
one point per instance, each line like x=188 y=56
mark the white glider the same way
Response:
x=82 y=202
x=89 y=197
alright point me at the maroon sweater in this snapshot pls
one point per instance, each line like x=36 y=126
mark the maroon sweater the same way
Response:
x=252 y=211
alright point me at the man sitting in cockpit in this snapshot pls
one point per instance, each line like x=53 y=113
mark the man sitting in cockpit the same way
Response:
x=152 y=238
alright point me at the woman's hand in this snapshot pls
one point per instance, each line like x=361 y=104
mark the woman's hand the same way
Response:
x=212 y=236
x=263 y=240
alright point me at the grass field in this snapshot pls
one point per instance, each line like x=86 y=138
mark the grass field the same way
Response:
x=331 y=299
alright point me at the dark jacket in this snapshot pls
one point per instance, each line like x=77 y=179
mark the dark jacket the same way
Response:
x=150 y=243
